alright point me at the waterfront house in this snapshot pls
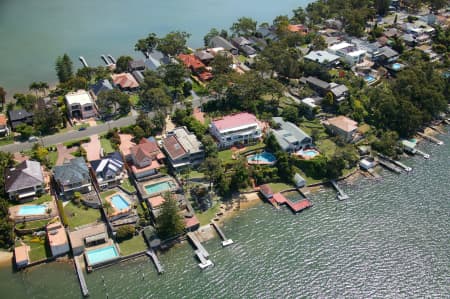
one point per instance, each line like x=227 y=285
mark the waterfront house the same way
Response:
x=136 y=65
x=145 y=158
x=3 y=125
x=99 y=86
x=204 y=56
x=125 y=82
x=195 y=66
x=367 y=163
x=138 y=76
x=21 y=256
x=18 y=117
x=109 y=171
x=290 y=137
x=183 y=148
x=220 y=42
x=80 y=104
x=324 y=58
x=57 y=239
x=342 y=126
x=24 y=181
x=266 y=191
x=244 y=45
x=91 y=235
x=348 y=52
x=72 y=176
x=240 y=128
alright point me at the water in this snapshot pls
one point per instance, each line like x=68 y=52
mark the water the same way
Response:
x=293 y=196
x=369 y=78
x=390 y=239
x=31 y=210
x=102 y=254
x=263 y=157
x=34 y=33
x=158 y=188
x=119 y=202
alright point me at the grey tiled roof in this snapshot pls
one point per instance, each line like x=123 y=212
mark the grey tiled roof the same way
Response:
x=73 y=171
x=25 y=175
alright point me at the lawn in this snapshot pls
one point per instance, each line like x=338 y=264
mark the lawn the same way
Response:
x=128 y=185
x=6 y=140
x=38 y=248
x=194 y=174
x=42 y=199
x=77 y=216
x=326 y=147
x=105 y=194
x=52 y=157
x=277 y=187
x=225 y=155
x=308 y=127
x=32 y=224
x=106 y=145
x=206 y=216
x=133 y=245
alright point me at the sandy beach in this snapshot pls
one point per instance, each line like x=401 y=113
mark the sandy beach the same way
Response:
x=5 y=257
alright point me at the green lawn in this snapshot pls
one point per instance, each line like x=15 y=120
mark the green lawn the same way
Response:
x=43 y=198
x=38 y=248
x=77 y=216
x=242 y=58
x=277 y=187
x=6 y=140
x=134 y=100
x=225 y=155
x=308 y=127
x=32 y=224
x=105 y=194
x=194 y=174
x=133 y=245
x=128 y=185
x=106 y=145
x=207 y=216
x=326 y=147
x=52 y=157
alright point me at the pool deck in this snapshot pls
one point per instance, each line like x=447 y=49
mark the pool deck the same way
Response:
x=116 y=212
x=14 y=212
x=144 y=194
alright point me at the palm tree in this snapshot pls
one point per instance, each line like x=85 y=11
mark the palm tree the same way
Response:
x=43 y=86
x=35 y=86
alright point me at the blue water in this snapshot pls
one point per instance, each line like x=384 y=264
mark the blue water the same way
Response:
x=32 y=210
x=369 y=78
x=119 y=202
x=158 y=188
x=262 y=157
x=396 y=66
x=310 y=153
x=102 y=254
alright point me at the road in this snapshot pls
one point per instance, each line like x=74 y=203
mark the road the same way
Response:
x=99 y=129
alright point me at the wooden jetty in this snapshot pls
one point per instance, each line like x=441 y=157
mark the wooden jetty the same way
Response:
x=388 y=165
x=437 y=129
x=341 y=194
x=111 y=58
x=225 y=241
x=83 y=61
x=155 y=260
x=105 y=60
x=430 y=138
x=204 y=263
x=425 y=155
x=398 y=163
x=81 y=279
x=201 y=252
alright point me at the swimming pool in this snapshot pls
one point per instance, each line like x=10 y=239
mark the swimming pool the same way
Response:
x=264 y=157
x=101 y=255
x=32 y=210
x=369 y=78
x=396 y=66
x=308 y=153
x=119 y=202
x=159 y=187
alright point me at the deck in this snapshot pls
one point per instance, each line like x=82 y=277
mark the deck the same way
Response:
x=294 y=206
x=225 y=241
x=81 y=279
x=341 y=194
x=156 y=261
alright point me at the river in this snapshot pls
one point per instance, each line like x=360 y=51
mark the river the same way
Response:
x=33 y=33
x=390 y=239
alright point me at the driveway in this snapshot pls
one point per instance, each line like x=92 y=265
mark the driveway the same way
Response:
x=93 y=148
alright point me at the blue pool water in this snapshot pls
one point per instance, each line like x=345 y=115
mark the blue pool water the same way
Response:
x=310 y=153
x=262 y=157
x=32 y=210
x=369 y=78
x=396 y=66
x=103 y=254
x=119 y=202
x=159 y=187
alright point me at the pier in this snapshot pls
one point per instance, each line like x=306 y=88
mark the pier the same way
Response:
x=425 y=155
x=388 y=165
x=225 y=241
x=111 y=58
x=155 y=260
x=341 y=194
x=81 y=279
x=83 y=61
x=201 y=252
x=430 y=138
x=105 y=60
x=398 y=163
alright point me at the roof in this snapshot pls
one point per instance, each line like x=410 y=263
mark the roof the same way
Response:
x=137 y=64
x=81 y=97
x=344 y=123
x=72 y=171
x=18 y=114
x=21 y=254
x=241 y=41
x=265 y=189
x=388 y=52
x=56 y=234
x=340 y=46
x=203 y=55
x=205 y=76
x=138 y=76
x=235 y=120
x=152 y=63
x=2 y=119
x=339 y=90
x=190 y=61
x=77 y=237
x=297 y=28
x=321 y=56
x=110 y=165
x=180 y=141
x=173 y=147
x=146 y=149
x=317 y=82
x=25 y=175
x=191 y=221
x=289 y=133
x=218 y=41
x=124 y=80
x=156 y=201
x=310 y=102
x=101 y=85
x=248 y=50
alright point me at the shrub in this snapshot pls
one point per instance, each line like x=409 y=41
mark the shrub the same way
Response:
x=125 y=232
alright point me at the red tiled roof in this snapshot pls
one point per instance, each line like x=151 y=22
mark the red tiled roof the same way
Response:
x=2 y=120
x=191 y=222
x=124 y=80
x=297 y=28
x=205 y=76
x=156 y=201
x=265 y=189
x=235 y=120
x=146 y=149
x=300 y=205
x=190 y=61
x=173 y=147
x=344 y=123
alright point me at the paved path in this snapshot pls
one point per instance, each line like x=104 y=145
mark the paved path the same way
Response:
x=64 y=153
x=93 y=148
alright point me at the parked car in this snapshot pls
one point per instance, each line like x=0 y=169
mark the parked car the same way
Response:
x=82 y=129
x=33 y=139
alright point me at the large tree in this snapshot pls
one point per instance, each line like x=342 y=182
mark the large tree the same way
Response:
x=212 y=168
x=156 y=99
x=46 y=121
x=122 y=64
x=147 y=44
x=173 y=74
x=221 y=64
x=113 y=101
x=2 y=96
x=64 y=68
x=244 y=26
x=173 y=43
x=169 y=223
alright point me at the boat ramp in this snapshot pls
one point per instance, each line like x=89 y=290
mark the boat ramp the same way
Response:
x=225 y=241
x=155 y=260
x=200 y=252
x=340 y=193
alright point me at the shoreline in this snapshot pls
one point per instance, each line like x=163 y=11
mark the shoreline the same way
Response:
x=5 y=258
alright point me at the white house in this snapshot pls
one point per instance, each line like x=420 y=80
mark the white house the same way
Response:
x=348 y=52
x=236 y=128
x=80 y=104
x=290 y=137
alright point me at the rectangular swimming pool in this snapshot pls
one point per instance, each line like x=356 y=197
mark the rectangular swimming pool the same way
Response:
x=159 y=187
x=119 y=202
x=101 y=255
x=32 y=210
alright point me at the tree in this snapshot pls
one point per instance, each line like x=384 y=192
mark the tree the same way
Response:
x=25 y=130
x=107 y=206
x=122 y=64
x=27 y=102
x=169 y=223
x=281 y=24
x=187 y=88
x=382 y=6
x=290 y=113
x=299 y=15
x=212 y=168
x=156 y=99
x=40 y=153
x=210 y=146
x=173 y=43
x=125 y=232
x=173 y=74
x=241 y=175
x=2 y=96
x=212 y=33
x=319 y=43
x=34 y=87
x=244 y=26
x=438 y=4
x=147 y=44
x=271 y=143
x=285 y=170
x=113 y=101
x=46 y=121
x=221 y=64
x=387 y=143
x=64 y=68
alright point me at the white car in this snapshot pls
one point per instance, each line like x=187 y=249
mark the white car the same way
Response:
x=33 y=139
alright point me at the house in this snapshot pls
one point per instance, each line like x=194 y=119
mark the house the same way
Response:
x=297 y=28
x=87 y=236
x=72 y=176
x=101 y=85
x=290 y=137
x=244 y=45
x=136 y=65
x=338 y=91
x=299 y=181
x=24 y=181
x=324 y=58
x=57 y=239
x=125 y=81
x=195 y=65
x=220 y=42
x=80 y=104
x=367 y=163
x=334 y=24
x=3 y=125
x=386 y=55
x=348 y=52
x=18 y=117
x=183 y=148
x=138 y=76
x=342 y=126
x=266 y=191
x=236 y=128
x=266 y=33
x=204 y=56
x=21 y=256
x=145 y=158
x=109 y=171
